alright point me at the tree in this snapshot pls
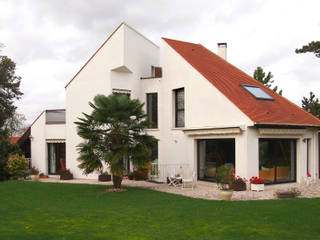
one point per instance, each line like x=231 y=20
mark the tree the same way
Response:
x=113 y=131
x=311 y=105
x=16 y=124
x=313 y=47
x=260 y=75
x=9 y=92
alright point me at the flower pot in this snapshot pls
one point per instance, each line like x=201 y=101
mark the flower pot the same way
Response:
x=34 y=178
x=66 y=176
x=239 y=186
x=104 y=178
x=257 y=187
x=44 y=176
x=284 y=195
x=226 y=194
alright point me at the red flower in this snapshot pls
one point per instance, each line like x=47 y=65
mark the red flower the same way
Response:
x=308 y=175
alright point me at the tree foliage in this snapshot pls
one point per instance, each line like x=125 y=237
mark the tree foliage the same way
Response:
x=266 y=80
x=313 y=47
x=9 y=92
x=311 y=105
x=114 y=131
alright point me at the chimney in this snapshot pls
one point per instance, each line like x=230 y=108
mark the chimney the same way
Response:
x=222 y=50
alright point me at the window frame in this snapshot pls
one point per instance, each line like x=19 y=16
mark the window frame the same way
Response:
x=245 y=86
x=154 y=112
x=177 y=110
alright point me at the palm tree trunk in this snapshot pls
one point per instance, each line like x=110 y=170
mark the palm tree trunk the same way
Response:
x=116 y=181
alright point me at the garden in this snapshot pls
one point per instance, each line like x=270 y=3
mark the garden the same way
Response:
x=36 y=210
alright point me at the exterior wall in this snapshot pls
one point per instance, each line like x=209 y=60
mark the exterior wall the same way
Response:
x=55 y=131
x=38 y=144
x=252 y=149
x=41 y=132
x=120 y=63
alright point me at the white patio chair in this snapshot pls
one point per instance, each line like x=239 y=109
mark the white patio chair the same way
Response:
x=188 y=178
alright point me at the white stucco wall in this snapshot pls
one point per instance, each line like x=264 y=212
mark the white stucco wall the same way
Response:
x=40 y=133
x=38 y=144
x=119 y=64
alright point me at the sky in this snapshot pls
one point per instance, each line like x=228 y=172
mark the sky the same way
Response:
x=50 y=40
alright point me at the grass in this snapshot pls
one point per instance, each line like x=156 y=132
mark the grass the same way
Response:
x=31 y=210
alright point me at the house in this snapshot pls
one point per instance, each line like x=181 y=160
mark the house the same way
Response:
x=205 y=112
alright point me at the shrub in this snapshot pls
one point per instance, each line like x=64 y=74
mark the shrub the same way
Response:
x=225 y=177
x=17 y=166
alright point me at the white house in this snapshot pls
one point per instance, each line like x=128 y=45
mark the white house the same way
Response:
x=205 y=112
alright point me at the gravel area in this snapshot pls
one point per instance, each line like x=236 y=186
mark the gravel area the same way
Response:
x=206 y=190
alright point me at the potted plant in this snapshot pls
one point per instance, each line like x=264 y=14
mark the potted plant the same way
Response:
x=34 y=174
x=66 y=175
x=225 y=176
x=130 y=175
x=239 y=184
x=42 y=175
x=104 y=177
x=257 y=184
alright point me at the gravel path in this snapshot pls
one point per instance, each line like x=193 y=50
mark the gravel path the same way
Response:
x=207 y=190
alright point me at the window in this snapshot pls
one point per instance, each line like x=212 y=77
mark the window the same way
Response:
x=152 y=109
x=257 y=92
x=212 y=154
x=179 y=107
x=277 y=160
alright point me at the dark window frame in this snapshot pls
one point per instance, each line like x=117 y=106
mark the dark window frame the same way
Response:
x=153 y=115
x=179 y=110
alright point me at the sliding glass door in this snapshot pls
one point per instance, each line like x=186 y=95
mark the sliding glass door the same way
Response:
x=213 y=153
x=277 y=160
x=56 y=157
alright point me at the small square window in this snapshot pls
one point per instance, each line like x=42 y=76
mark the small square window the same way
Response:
x=257 y=92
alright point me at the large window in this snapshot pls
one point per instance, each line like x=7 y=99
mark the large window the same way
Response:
x=277 y=160
x=152 y=109
x=213 y=153
x=179 y=107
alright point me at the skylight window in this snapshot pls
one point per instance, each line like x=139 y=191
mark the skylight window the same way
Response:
x=257 y=92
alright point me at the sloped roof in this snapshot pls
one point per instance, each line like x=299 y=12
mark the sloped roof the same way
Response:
x=228 y=79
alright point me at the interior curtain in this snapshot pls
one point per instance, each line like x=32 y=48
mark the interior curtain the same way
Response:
x=53 y=159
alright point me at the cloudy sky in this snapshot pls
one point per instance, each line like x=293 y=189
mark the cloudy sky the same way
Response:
x=50 y=40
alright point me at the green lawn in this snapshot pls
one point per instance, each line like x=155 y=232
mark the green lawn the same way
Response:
x=30 y=210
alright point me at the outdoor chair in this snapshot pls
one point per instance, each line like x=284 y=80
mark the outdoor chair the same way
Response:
x=173 y=178
x=188 y=178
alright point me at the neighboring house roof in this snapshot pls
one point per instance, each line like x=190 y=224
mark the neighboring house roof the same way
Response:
x=14 y=139
x=228 y=79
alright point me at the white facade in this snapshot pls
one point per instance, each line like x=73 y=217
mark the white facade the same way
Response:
x=119 y=65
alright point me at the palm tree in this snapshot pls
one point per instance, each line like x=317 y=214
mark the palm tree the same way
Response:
x=114 y=131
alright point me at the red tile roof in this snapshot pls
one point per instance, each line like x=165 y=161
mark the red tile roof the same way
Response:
x=14 y=139
x=227 y=79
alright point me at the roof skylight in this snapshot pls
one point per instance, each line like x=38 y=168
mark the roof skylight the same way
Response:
x=257 y=92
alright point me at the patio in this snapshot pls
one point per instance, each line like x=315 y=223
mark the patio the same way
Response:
x=206 y=190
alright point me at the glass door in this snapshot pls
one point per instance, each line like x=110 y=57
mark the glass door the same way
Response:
x=56 y=158
x=277 y=160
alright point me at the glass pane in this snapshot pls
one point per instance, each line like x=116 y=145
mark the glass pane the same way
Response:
x=277 y=160
x=152 y=109
x=213 y=153
x=257 y=92
x=180 y=118
x=180 y=99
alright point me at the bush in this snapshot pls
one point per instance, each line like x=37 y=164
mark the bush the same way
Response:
x=5 y=148
x=17 y=166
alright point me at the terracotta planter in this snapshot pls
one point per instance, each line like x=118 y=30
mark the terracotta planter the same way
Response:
x=257 y=187
x=45 y=176
x=66 y=176
x=239 y=186
x=104 y=178
x=226 y=194
x=34 y=178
